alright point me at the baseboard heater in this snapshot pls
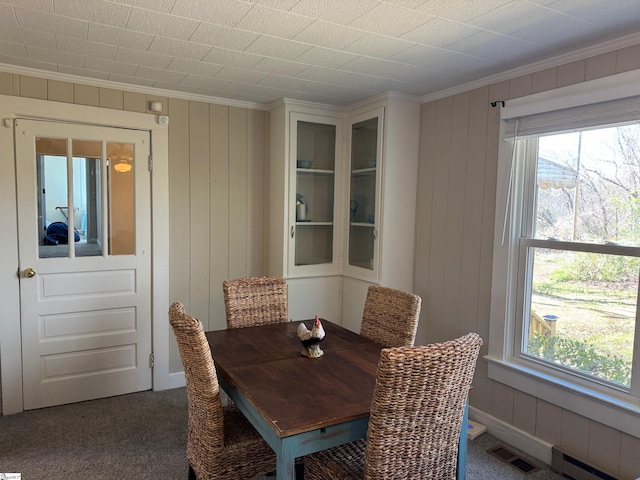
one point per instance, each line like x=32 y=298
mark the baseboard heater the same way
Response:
x=570 y=466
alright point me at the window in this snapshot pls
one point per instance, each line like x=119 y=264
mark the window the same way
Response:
x=565 y=306
x=579 y=252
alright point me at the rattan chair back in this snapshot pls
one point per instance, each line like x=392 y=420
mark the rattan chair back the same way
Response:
x=415 y=420
x=390 y=316
x=221 y=444
x=252 y=301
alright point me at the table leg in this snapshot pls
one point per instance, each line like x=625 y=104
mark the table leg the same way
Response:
x=285 y=462
x=462 y=445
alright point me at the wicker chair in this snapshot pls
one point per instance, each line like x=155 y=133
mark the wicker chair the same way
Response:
x=390 y=316
x=416 y=417
x=221 y=444
x=252 y=301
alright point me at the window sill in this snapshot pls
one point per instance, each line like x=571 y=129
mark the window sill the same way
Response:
x=619 y=411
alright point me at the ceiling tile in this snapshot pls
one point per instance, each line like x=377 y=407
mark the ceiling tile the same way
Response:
x=378 y=46
x=287 y=83
x=119 y=37
x=198 y=68
x=159 y=74
x=280 y=67
x=13 y=49
x=35 y=38
x=7 y=16
x=147 y=59
x=336 y=11
x=273 y=22
x=204 y=81
x=85 y=47
x=226 y=12
x=175 y=86
x=145 y=82
x=240 y=75
x=369 y=66
x=97 y=11
x=179 y=48
x=424 y=56
x=83 y=72
x=162 y=24
x=325 y=57
x=40 y=5
x=109 y=66
x=48 y=22
x=48 y=55
x=223 y=36
x=277 y=47
x=27 y=62
x=459 y=10
x=322 y=74
x=329 y=35
x=391 y=20
x=157 y=5
x=513 y=17
x=223 y=56
x=440 y=32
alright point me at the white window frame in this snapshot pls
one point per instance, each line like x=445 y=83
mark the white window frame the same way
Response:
x=591 y=399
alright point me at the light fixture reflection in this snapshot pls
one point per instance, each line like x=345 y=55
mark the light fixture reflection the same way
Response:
x=121 y=157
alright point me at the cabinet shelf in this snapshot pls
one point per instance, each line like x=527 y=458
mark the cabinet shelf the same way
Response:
x=364 y=171
x=361 y=224
x=313 y=224
x=314 y=170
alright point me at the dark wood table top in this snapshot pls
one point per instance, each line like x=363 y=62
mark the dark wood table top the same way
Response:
x=294 y=393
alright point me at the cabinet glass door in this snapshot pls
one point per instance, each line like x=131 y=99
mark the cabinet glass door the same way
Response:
x=366 y=149
x=315 y=193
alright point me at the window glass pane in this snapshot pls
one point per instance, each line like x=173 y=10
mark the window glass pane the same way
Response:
x=121 y=198
x=583 y=309
x=87 y=199
x=588 y=186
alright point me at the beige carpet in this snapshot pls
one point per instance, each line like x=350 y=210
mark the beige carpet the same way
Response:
x=143 y=436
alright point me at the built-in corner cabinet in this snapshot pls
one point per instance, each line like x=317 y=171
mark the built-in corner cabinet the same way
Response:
x=342 y=196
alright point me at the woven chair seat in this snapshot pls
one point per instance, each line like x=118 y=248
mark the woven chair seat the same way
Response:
x=221 y=443
x=252 y=301
x=415 y=420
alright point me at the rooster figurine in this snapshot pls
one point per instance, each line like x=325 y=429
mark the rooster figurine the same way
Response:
x=311 y=339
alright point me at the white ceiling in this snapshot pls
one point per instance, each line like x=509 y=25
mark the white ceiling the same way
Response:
x=329 y=51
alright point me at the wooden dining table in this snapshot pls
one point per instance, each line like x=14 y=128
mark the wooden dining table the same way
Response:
x=299 y=405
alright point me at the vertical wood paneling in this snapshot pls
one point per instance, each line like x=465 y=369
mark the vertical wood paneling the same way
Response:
x=438 y=241
x=629 y=458
x=238 y=242
x=255 y=191
x=179 y=214
x=548 y=422
x=575 y=433
x=524 y=412
x=86 y=95
x=455 y=228
x=471 y=251
x=571 y=73
x=59 y=91
x=6 y=83
x=110 y=98
x=628 y=59
x=33 y=87
x=502 y=407
x=199 y=207
x=544 y=80
x=219 y=131
x=135 y=102
x=604 y=446
x=519 y=87
x=600 y=66
x=424 y=214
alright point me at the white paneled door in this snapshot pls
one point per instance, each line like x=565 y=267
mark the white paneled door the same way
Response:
x=84 y=223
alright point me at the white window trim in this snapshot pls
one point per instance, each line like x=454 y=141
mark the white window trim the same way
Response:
x=615 y=409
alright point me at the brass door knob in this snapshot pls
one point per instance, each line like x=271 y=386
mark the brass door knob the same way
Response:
x=29 y=272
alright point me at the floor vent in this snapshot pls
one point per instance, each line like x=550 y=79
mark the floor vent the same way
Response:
x=569 y=466
x=512 y=459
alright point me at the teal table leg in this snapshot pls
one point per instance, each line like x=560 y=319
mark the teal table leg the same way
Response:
x=462 y=444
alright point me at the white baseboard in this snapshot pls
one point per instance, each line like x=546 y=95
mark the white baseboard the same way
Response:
x=515 y=437
x=174 y=380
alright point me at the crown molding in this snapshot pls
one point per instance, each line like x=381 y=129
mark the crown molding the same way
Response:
x=581 y=54
x=95 y=82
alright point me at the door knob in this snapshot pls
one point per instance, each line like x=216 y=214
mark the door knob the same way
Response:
x=29 y=272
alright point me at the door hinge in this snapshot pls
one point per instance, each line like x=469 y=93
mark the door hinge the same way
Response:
x=151 y=360
x=151 y=163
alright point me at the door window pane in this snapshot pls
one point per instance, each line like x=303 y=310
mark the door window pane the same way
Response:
x=121 y=194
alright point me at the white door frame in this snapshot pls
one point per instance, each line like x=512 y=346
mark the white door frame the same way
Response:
x=10 y=342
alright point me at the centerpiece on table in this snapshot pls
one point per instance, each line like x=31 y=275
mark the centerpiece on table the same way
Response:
x=311 y=339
